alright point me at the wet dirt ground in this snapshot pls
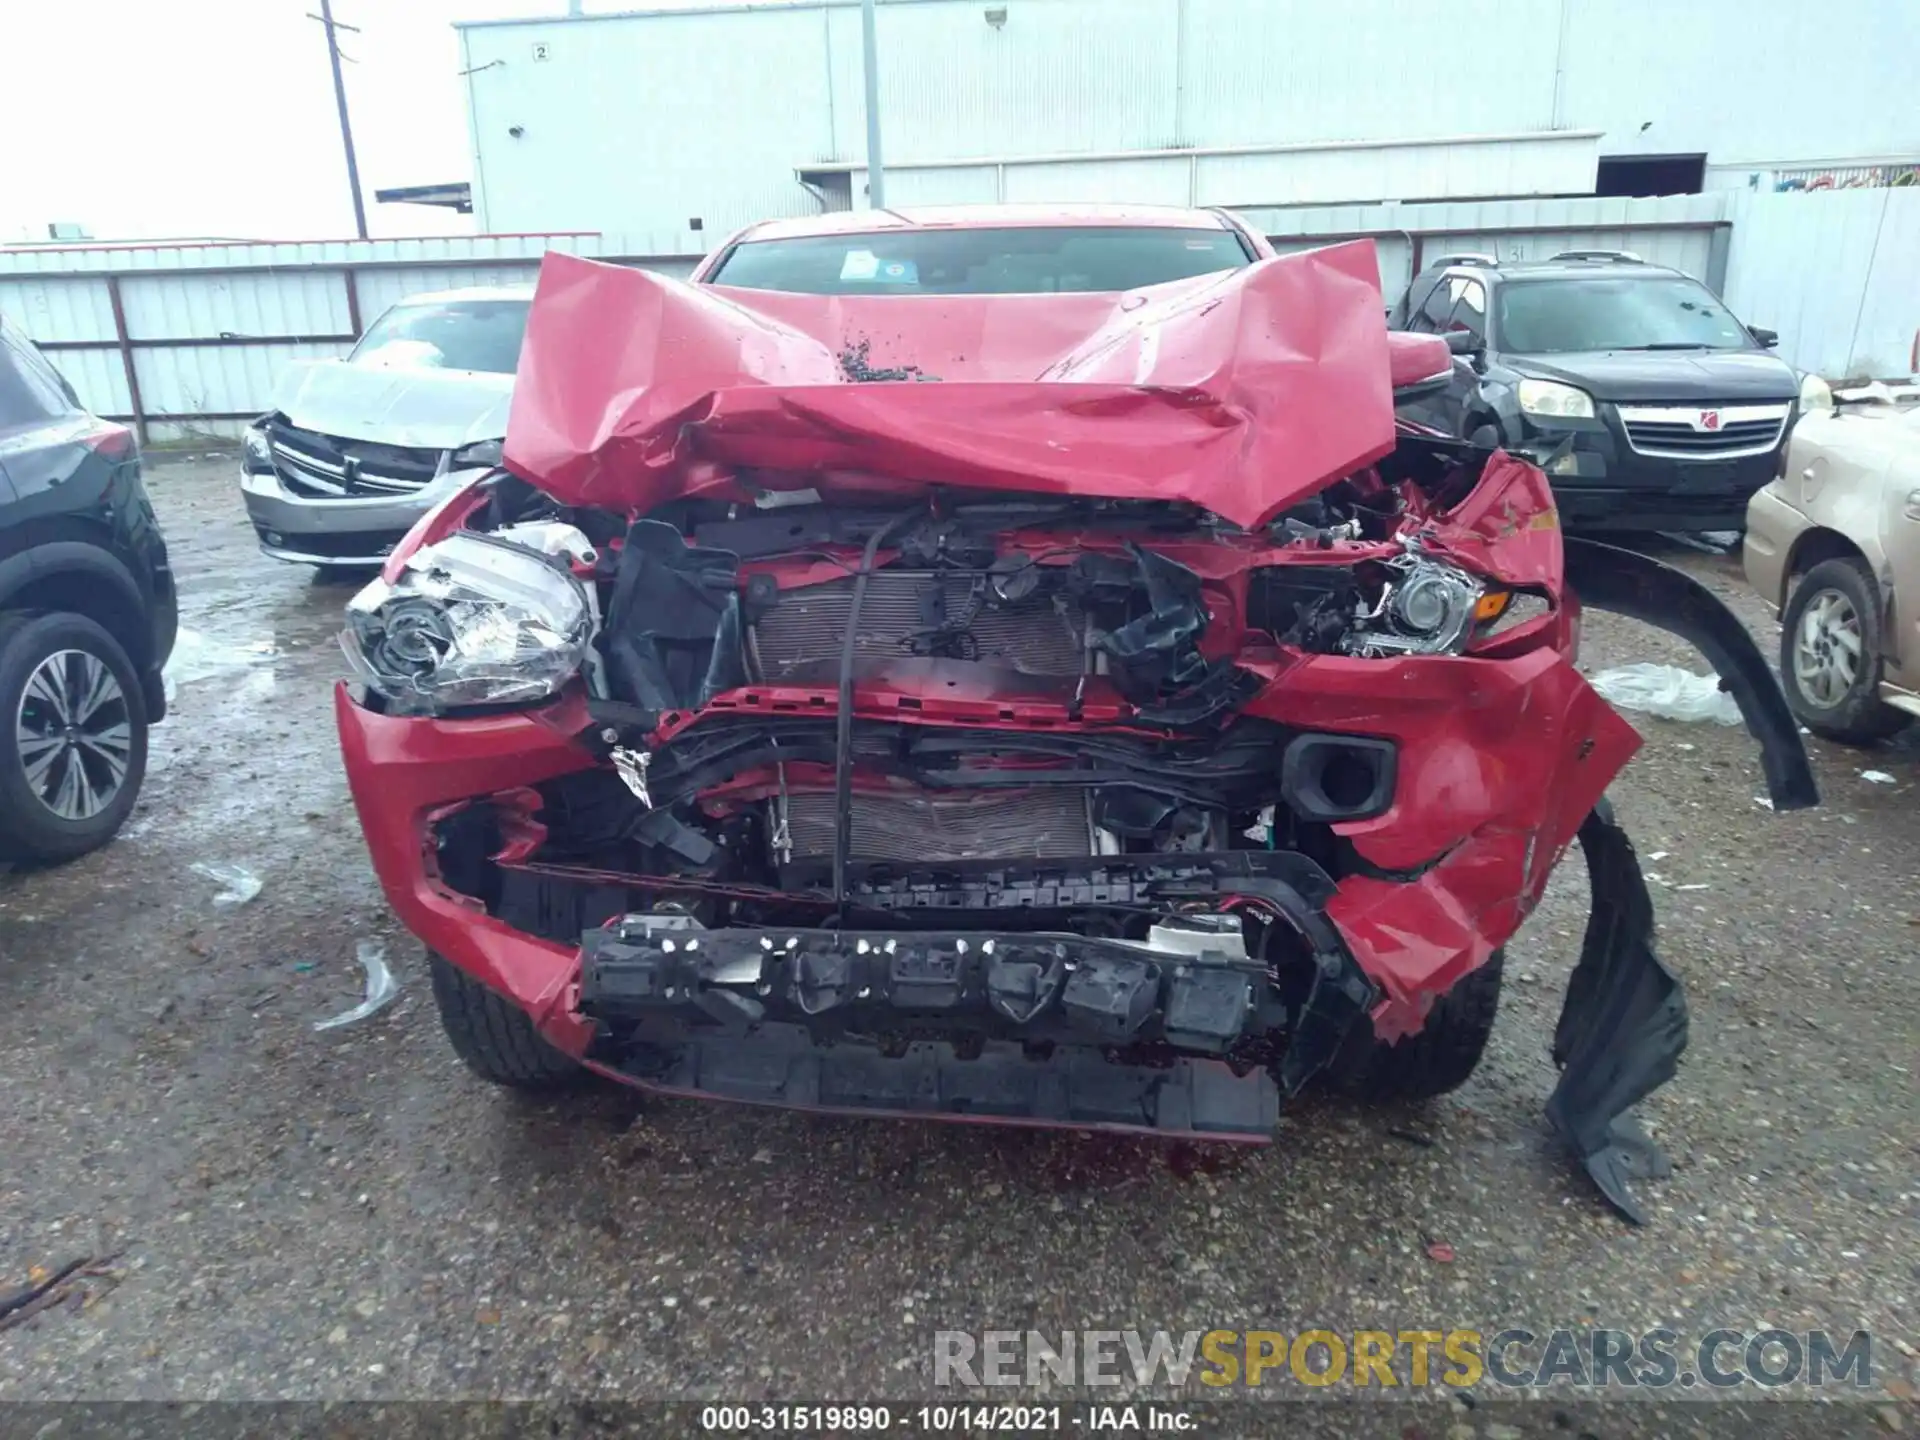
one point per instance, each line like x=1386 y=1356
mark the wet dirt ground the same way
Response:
x=353 y=1215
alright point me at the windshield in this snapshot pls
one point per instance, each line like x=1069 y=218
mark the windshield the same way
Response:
x=1013 y=260
x=1542 y=317
x=447 y=335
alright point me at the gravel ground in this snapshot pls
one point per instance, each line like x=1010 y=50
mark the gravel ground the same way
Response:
x=352 y=1215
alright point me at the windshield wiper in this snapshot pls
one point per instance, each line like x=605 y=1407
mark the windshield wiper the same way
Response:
x=1670 y=345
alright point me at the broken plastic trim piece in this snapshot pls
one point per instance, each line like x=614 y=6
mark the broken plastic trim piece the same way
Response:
x=381 y=988
x=239 y=883
x=672 y=638
x=1608 y=578
x=1623 y=1027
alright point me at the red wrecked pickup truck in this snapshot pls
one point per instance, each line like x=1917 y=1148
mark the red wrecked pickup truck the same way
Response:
x=930 y=672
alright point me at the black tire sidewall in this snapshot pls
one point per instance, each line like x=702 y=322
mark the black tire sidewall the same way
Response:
x=1861 y=715
x=495 y=1037
x=1435 y=1060
x=28 y=830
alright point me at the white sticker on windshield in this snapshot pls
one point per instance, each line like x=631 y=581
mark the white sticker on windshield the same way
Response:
x=860 y=265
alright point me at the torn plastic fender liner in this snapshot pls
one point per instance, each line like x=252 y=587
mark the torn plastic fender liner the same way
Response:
x=1608 y=578
x=1623 y=1027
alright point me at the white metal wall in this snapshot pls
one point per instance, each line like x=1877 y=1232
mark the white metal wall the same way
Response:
x=1676 y=230
x=1689 y=251
x=1762 y=82
x=683 y=125
x=1836 y=272
x=648 y=120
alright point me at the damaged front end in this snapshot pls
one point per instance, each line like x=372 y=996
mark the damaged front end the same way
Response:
x=1082 y=751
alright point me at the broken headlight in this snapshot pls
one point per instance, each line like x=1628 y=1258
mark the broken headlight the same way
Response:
x=471 y=621
x=256 y=451
x=1424 y=608
x=482 y=453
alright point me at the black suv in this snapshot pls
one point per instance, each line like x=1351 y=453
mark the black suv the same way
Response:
x=87 y=615
x=1651 y=406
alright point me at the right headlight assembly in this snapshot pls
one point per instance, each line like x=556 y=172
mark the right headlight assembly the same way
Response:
x=1425 y=607
x=471 y=621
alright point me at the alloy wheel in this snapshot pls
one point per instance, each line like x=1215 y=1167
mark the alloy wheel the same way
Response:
x=74 y=733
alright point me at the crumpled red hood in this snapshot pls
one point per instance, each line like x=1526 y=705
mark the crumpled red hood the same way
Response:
x=1243 y=392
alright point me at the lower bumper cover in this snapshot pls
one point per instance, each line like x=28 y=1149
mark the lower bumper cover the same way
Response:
x=783 y=1065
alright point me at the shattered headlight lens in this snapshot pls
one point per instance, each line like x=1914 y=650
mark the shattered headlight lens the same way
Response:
x=481 y=453
x=1555 y=401
x=1425 y=608
x=471 y=621
x=256 y=454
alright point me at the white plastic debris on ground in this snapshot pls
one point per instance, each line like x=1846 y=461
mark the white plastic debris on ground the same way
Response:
x=1877 y=777
x=240 y=883
x=1668 y=692
x=381 y=988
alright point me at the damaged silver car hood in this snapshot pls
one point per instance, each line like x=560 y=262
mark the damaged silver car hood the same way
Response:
x=393 y=405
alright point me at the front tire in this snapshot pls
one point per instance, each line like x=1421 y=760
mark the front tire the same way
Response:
x=73 y=736
x=1440 y=1057
x=494 y=1037
x=1830 y=657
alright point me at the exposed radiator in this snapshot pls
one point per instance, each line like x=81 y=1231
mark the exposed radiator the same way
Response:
x=808 y=627
x=1032 y=825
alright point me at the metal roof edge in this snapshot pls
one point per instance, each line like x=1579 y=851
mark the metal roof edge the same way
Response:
x=1275 y=147
x=720 y=7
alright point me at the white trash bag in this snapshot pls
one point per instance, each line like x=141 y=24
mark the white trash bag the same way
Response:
x=1668 y=692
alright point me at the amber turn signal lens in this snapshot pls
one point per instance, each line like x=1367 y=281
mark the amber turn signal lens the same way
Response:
x=1491 y=606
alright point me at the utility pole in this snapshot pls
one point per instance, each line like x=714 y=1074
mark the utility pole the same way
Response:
x=325 y=17
x=876 y=170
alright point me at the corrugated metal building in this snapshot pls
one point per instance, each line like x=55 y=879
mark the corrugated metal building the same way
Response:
x=687 y=122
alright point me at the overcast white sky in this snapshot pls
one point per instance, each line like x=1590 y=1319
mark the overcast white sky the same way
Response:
x=149 y=119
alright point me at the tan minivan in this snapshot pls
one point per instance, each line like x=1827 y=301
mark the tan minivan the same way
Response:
x=1834 y=545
